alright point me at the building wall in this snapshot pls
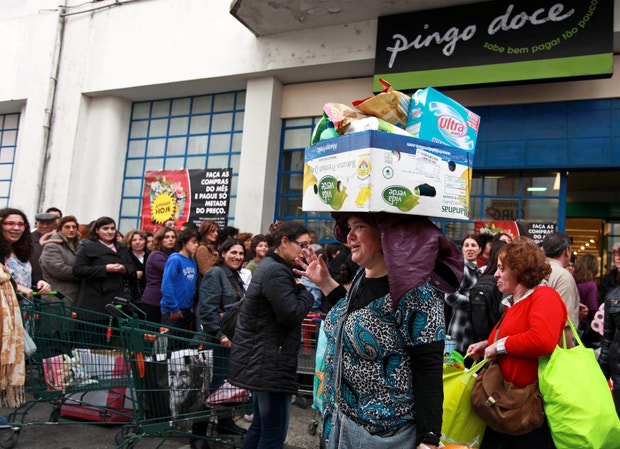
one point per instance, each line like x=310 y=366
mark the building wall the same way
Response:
x=144 y=49
x=76 y=69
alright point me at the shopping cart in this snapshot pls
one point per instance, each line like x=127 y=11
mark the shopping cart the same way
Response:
x=171 y=372
x=78 y=368
x=306 y=366
x=307 y=353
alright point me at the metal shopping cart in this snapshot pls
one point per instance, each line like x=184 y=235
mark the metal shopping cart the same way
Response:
x=306 y=365
x=172 y=373
x=307 y=353
x=78 y=368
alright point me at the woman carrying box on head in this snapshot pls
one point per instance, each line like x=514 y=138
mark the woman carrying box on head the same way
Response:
x=392 y=316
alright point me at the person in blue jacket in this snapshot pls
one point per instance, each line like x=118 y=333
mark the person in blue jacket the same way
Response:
x=178 y=286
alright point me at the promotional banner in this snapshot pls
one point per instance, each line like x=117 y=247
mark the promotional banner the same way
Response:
x=185 y=196
x=497 y=227
x=535 y=231
x=495 y=42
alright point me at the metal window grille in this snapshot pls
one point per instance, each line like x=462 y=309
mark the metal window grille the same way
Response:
x=9 y=125
x=181 y=133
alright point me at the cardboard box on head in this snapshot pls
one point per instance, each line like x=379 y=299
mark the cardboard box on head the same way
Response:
x=375 y=171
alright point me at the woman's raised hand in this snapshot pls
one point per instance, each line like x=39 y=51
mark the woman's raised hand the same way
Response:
x=314 y=268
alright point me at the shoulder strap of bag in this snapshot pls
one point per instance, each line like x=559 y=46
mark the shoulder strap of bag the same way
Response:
x=497 y=330
x=234 y=284
x=575 y=334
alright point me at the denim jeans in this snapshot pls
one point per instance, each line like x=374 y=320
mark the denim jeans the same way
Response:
x=178 y=325
x=270 y=424
x=346 y=434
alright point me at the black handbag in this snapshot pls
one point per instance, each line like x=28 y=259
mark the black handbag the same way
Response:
x=228 y=319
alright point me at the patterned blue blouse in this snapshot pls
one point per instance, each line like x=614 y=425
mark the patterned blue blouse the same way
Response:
x=376 y=388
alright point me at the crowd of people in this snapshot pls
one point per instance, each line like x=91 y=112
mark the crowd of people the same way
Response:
x=386 y=311
x=182 y=278
x=529 y=288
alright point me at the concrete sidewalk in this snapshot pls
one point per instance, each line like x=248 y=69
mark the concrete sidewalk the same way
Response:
x=37 y=433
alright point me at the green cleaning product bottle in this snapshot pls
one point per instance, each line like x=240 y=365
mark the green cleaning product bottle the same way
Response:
x=329 y=132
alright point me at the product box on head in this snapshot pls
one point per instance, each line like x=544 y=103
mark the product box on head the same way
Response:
x=399 y=154
x=376 y=171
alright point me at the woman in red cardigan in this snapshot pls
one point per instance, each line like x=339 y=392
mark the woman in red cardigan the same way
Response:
x=532 y=326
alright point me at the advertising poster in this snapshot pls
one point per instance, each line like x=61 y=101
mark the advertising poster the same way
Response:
x=185 y=196
x=535 y=231
x=497 y=227
x=210 y=195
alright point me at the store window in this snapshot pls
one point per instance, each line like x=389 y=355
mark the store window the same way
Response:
x=525 y=195
x=296 y=135
x=9 y=124
x=181 y=133
x=507 y=195
x=517 y=195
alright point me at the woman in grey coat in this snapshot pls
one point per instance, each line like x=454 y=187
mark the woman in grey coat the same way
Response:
x=58 y=257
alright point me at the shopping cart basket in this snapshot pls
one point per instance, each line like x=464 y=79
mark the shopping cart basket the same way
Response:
x=307 y=353
x=78 y=367
x=170 y=373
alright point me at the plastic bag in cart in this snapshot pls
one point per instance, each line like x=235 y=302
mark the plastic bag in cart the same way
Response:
x=227 y=394
x=189 y=378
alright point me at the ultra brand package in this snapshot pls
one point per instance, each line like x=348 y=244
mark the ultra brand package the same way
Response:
x=374 y=171
x=433 y=116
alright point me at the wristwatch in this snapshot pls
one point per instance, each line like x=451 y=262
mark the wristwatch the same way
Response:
x=428 y=438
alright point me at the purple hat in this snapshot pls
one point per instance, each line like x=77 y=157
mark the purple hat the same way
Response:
x=415 y=251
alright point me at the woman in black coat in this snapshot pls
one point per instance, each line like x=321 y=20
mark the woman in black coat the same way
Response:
x=135 y=241
x=103 y=265
x=609 y=358
x=266 y=343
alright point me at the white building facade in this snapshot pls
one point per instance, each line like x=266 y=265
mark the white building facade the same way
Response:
x=94 y=94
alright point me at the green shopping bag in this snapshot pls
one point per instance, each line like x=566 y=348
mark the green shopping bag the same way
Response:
x=460 y=424
x=578 y=404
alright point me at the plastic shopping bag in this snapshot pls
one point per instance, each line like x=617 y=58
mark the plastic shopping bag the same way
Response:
x=319 y=370
x=29 y=345
x=227 y=394
x=579 y=407
x=460 y=424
